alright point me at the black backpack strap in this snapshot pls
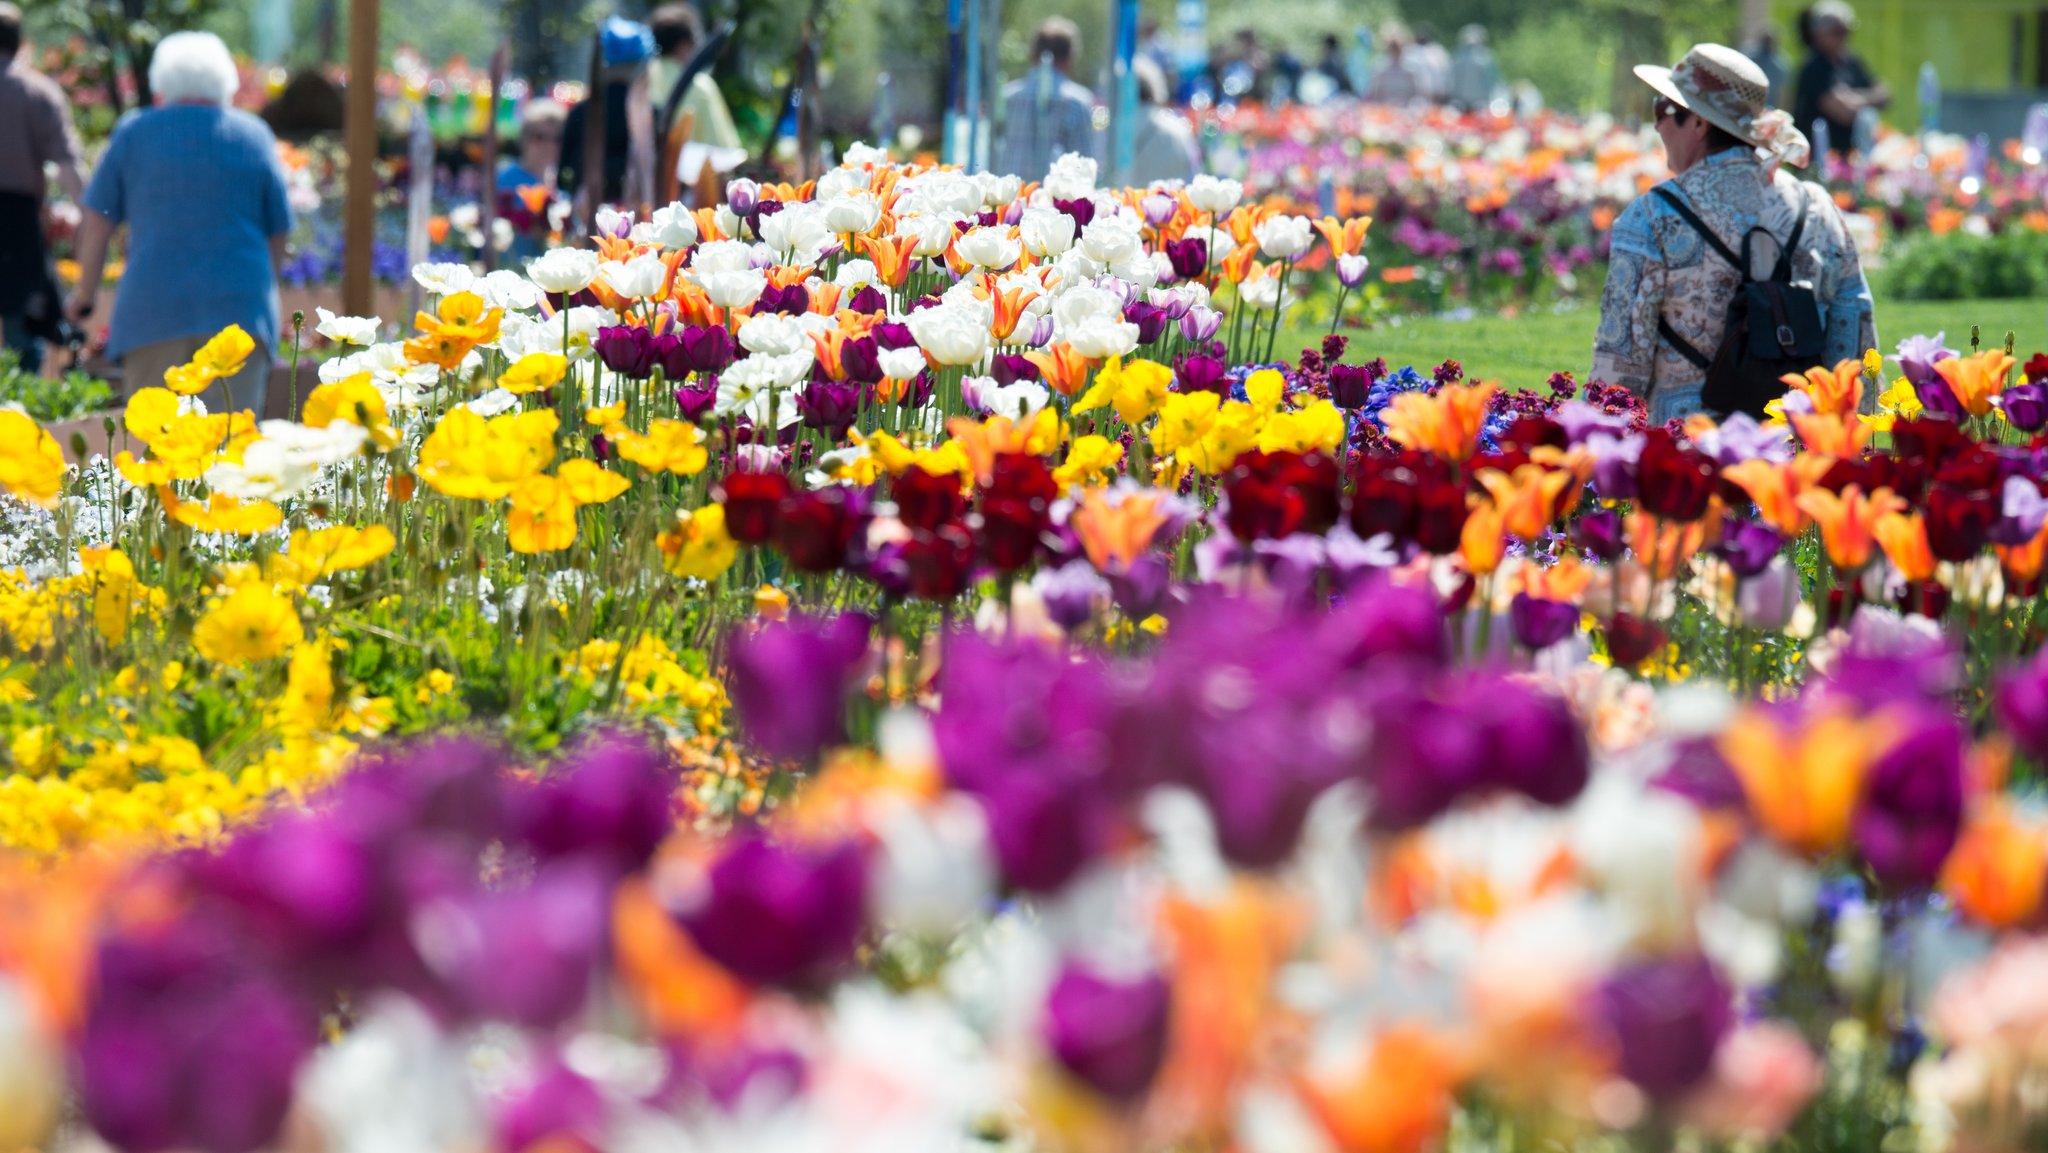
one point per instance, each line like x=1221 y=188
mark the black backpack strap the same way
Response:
x=1784 y=269
x=1686 y=213
x=1684 y=346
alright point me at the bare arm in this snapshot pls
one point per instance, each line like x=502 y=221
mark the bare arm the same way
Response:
x=93 y=233
x=71 y=178
x=277 y=252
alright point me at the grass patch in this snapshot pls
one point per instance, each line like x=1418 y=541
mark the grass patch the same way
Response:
x=1522 y=351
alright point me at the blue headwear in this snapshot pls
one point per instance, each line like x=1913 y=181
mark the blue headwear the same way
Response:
x=625 y=42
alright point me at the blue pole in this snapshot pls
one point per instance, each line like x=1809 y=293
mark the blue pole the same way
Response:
x=1126 y=95
x=969 y=90
x=949 y=149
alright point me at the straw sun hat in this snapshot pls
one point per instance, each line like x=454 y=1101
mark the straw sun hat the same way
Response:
x=1727 y=90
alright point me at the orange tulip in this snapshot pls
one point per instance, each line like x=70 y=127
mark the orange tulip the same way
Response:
x=1848 y=523
x=1663 y=546
x=682 y=992
x=1527 y=500
x=1836 y=392
x=1565 y=581
x=831 y=346
x=2023 y=562
x=1775 y=487
x=1238 y=265
x=1976 y=379
x=893 y=256
x=1803 y=776
x=1115 y=535
x=1009 y=307
x=1345 y=236
x=707 y=223
x=1482 y=543
x=1447 y=424
x=1995 y=872
x=1903 y=537
x=1065 y=371
x=1398 y=1101
x=1824 y=434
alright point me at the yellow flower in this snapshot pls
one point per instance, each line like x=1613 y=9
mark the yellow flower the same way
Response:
x=669 y=446
x=1184 y=419
x=463 y=323
x=149 y=413
x=437 y=683
x=1234 y=432
x=1087 y=460
x=1265 y=389
x=307 y=703
x=698 y=545
x=339 y=549
x=223 y=513
x=534 y=372
x=892 y=454
x=1317 y=428
x=113 y=598
x=771 y=603
x=605 y=416
x=225 y=354
x=31 y=463
x=1895 y=403
x=356 y=400
x=543 y=516
x=589 y=482
x=250 y=624
x=1137 y=389
x=474 y=458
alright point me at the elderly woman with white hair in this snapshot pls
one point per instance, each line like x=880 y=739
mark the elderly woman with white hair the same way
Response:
x=202 y=191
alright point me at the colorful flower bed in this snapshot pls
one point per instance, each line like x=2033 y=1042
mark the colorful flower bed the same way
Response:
x=1139 y=741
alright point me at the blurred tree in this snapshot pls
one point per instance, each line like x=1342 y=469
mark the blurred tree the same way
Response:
x=123 y=33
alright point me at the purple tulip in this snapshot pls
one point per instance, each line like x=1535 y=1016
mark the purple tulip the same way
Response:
x=1912 y=804
x=305 y=885
x=1699 y=773
x=556 y=1109
x=627 y=350
x=1938 y=399
x=790 y=300
x=1158 y=208
x=2022 y=706
x=1599 y=533
x=1917 y=356
x=1190 y=257
x=1081 y=209
x=742 y=196
x=1748 y=546
x=525 y=955
x=695 y=402
x=1350 y=386
x=867 y=299
x=1536 y=746
x=1141 y=589
x=2026 y=406
x=1150 y=319
x=609 y=804
x=829 y=406
x=1200 y=324
x=1194 y=372
x=704 y=348
x=1109 y=1033
x=1072 y=594
x=1540 y=623
x=789 y=682
x=1425 y=755
x=783 y=915
x=893 y=334
x=1007 y=368
x=1666 y=1018
x=859 y=357
x=1390 y=624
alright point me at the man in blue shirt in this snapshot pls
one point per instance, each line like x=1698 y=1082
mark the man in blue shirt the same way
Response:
x=1048 y=113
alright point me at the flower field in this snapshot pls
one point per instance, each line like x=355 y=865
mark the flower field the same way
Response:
x=913 y=661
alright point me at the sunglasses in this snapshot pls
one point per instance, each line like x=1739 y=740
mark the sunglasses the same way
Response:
x=1665 y=108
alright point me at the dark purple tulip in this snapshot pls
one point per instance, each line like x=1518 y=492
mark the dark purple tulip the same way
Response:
x=782 y=915
x=1350 y=385
x=626 y=349
x=695 y=402
x=525 y=955
x=1194 y=372
x=1150 y=319
x=2026 y=406
x=1540 y=623
x=1008 y=368
x=2022 y=706
x=305 y=885
x=664 y=349
x=1389 y=623
x=706 y=348
x=790 y=300
x=867 y=299
x=1110 y=1034
x=1537 y=747
x=1912 y=804
x=893 y=334
x=609 y=804
x=1939 y=399
x=1081 y=209
x=450 y=785
x=1666 y=1018
x=1257 y=786
x=860 y=360
x=557 y=1109
x=1190 y=257
x=789 y=681
x=1599 y=533
x=1425 y=755
x=1699 y=773
x=1748 y=546
x=829 y=406
x=1141 y=589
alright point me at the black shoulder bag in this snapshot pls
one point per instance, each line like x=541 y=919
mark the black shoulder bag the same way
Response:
x=1774 y=326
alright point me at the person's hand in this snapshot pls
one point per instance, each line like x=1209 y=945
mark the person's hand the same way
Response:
x=78 y=306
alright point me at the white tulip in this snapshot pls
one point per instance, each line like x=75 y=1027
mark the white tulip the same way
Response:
x=564 y=270
x=998 y=190
x=988 y=248
x=734 y=289
x=1284 y=237
x=358 y=330
x=722 y=256
x=1112 y=240
x=798 y=228
x=861 y=154
x=839 y=182
x=900 y=363
x=933 y=233
x=1214 y=194
x=951 y=334
x=673 y=226
x=1262 y=293
x=773 y=334
x=1085 y=302
x=1071 y=177
x=852 y=214
x=1046 y=233
x=1018 y=401
x=1100 y=337
x=635 y=279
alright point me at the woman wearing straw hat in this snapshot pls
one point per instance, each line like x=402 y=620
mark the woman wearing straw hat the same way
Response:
x=1668 y=286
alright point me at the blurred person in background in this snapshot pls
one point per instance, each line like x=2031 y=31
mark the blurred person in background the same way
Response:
x=1047 y=113
x=1396 y=78
x=1163 y=145
x=1835 y=86
x=526 y=185
x=678 y=34
x=1245 y=70
x=1475 y=74
x=35 y=134
x=625 y=48
x=1763 y=49
x=1432 y=62
x=202 y=191
x=1665 y=307
x=1334 y=67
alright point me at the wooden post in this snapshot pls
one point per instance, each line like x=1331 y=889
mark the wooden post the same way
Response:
x=359 y=219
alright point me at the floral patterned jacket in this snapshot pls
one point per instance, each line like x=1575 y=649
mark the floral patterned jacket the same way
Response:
x=1660 y=268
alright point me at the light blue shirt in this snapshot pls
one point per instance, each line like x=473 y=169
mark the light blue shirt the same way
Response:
x=202 y=192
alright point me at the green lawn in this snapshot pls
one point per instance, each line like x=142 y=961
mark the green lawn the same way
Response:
x=1524 y=350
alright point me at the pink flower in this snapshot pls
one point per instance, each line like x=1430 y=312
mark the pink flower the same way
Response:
x=1763 y=1075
